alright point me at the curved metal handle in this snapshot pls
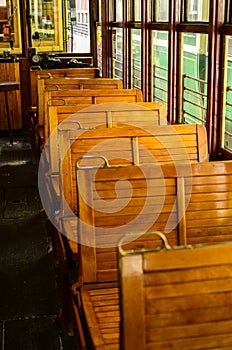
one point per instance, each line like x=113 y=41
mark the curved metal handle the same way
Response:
x=33 y=68
x=54 y=87
x=134 y=235
x=79 y=167
x=73 y=121
x=51 y=102
x=45 y=76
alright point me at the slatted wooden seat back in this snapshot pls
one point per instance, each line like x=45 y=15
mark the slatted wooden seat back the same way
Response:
x=58 y=73
x=177 y=298
x=141 y=199
x=58 y=84
x=140 y=114
x=159 y=144
x=116 y=114
x=86 y=97
x=78 y=83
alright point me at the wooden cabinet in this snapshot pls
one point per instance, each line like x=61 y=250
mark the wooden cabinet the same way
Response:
x=9 y=71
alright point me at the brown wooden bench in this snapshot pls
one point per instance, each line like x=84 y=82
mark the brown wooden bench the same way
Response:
x=49 y=75
x=130 y=144
x=175 y=298
x=158 y=198
x=139 y=114
x=85 y=97
x=58 y=73
x=127 y=146
x=58 y=84
x=160 y=144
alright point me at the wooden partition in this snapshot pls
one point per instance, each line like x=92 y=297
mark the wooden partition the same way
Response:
x=176 y=298
x=84 y=97
x=10 y=72
x=58 y=73
x=166 y=198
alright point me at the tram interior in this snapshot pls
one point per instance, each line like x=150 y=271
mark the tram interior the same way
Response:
x=115 y=118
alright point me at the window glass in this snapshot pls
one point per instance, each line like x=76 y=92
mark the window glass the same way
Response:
x=46 y=25
x=136 y=58
x=161 y=10
x=137 y=10
x=51 y=30
x=99 y=47
x=160 y=44
x=227 y=127
x=118 y=53
x=78 y=27
x=198 y=10
x=194 y=78
x=10 y=27
x=119 y=14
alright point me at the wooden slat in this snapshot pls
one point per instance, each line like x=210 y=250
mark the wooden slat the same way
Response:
x=187 y=297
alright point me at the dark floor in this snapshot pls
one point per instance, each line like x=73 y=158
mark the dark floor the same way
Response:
x=29 y=296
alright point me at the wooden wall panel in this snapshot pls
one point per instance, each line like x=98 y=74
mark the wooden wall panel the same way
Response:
x=10 y=72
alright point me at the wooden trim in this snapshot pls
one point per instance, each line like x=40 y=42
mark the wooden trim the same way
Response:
x=131 y=277
x=181 y=210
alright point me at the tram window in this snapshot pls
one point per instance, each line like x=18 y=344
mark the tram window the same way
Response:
x=118 y=57
x=137 y=10
x=160 y=44
x=194 y=78
x=197 y=10
x=10 y=26
x=161 y=11
x=60 y=27
x=46 y=25
x=136 y=58
x=118 y=10
x=227 y=119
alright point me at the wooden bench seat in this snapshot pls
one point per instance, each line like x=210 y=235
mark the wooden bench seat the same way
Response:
x=78 y=83
x=176 y=298
x=113 y=201
x=91 y=72
x=114 y=114
x=162 y=144
x=142 y=114
x=60 y=84
x=48 y=75
x=85 y=97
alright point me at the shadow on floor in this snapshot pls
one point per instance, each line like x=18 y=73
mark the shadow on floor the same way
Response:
x=29 y=297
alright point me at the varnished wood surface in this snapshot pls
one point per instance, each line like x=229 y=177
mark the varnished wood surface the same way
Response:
x=10 y=72
x=99 y=260
x=177 y=298
x=58 y=73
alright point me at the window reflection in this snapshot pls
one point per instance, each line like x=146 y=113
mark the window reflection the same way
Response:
x=118 y=54
x=160 y=65
x=227 y=134
x=10 y=26
x=136 y=58
x=46 y=20
x=198 y=10
x=161 y=10
x=194 y=77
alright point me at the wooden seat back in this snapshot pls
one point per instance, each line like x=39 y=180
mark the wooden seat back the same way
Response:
x=58 y=73
x=127 y=146
x=114 y=114
x=141 y=114
x=60 y=84
x=78 y=83
x=86 y=97
x=139 y=200
x=114 y=201
x=176 y=298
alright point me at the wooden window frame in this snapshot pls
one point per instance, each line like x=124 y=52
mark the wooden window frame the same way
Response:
x=216 y=29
